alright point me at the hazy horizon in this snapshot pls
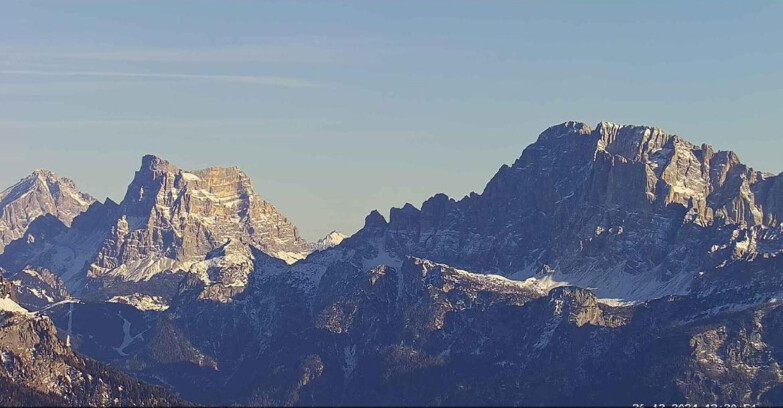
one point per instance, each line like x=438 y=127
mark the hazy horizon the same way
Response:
x=335 y=110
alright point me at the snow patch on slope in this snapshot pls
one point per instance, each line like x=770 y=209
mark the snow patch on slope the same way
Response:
x=290 y=257
x=144 y=269
x=8 y=305
x=142 y=302
x=127 y=339
x=614 y=286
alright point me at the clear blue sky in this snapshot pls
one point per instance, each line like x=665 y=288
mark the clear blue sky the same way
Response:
x=338 y=108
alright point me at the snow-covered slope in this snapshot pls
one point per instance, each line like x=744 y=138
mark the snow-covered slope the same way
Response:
x=8 y=305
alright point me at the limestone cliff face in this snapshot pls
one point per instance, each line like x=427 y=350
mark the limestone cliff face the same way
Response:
x=170 y=222
x=38 y=194
x=713 y=186
x=183 y=215
x=619 y=208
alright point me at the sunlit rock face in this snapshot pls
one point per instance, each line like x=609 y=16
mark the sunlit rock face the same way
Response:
x=183 y=215
x=170 y=223
x=40 y=193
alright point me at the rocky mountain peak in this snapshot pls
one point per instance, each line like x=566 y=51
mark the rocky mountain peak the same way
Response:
x=633 y=142
x=43 y=174
x=630 y=141
x=40 y=193
x=155 y=164
x=331 y=239
x=159 y=182
x=578 y=198
x=404 y=217
x=566 y=128
x=153 y=177
x=374 y=221
x=662 y=167
x=170 y=222
x=192 y=212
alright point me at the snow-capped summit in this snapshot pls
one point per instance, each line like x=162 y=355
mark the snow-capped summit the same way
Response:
x=331 y=239
x=42 y=192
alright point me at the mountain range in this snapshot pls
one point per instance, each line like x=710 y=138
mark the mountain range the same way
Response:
x=607 y=266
